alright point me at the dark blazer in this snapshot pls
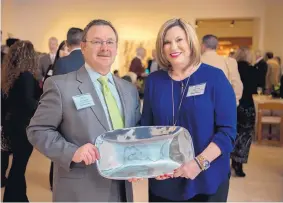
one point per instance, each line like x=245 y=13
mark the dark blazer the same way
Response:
x=70 y=63
x=262 y=70
x=22 y=100
x=44 y=63
x=249 y=75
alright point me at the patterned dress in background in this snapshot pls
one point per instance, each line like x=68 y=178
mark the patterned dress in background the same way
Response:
x=245 y=133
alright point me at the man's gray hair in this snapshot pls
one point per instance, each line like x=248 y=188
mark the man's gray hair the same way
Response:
x=210 y=41
x=53 y=39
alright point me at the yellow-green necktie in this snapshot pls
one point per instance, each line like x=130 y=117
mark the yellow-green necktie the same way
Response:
x=113 y=110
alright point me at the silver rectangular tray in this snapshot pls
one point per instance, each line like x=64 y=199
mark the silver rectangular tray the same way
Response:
x=143 y=152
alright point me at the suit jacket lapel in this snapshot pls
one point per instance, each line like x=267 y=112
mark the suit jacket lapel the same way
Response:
x=86 y=86
x=123 y=96
x=49 y=59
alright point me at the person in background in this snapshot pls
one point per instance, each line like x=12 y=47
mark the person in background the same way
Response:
x=278 y=59
x=61 y=52
x=136 y=64
x=138 y=68
x=231 y=54
x=127 y=78
x=152 y=63
x=133 y=77
x=261 y=67
x=22 y=90
x=273 y=73
x=268 y=55
x=5 y=153
x=5 y=48
x=227 y=65
x=281 y=78
x=245 y=111
x=198 y=97
x=75 y=60
x=46 y=60
x=116 y=73
x=4 y=52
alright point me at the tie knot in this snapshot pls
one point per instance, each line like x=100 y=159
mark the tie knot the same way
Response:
x=103 y=80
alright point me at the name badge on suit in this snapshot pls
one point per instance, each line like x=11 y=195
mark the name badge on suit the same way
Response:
x=83 y=101
x=196 y=90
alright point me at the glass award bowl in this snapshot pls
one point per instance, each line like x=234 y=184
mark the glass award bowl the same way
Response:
x=143 y=152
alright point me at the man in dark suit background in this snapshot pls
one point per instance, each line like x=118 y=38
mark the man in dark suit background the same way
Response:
x=75 y=59
x=261 y=66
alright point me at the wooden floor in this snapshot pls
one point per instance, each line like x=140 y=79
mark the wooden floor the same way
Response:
x=264 y=180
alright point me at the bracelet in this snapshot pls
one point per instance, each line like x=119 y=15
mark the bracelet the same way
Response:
x=196 y=160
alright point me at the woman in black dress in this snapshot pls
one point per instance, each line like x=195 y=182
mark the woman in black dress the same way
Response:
x=245 y=111
x=22 y=93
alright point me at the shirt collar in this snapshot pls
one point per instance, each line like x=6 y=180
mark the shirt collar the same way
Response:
x=75 y=49
x=95 y=75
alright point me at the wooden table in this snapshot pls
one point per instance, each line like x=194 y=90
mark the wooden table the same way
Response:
x=263 y=99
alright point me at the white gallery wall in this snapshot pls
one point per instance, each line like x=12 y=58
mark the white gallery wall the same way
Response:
x=273 y=40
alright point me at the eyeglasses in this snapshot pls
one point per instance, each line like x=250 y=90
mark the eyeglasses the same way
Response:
x=99 y=43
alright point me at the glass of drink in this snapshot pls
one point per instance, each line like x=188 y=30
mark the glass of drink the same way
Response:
x=259 y=90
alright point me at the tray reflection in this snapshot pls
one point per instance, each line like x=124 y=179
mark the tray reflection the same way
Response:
x=143 y=152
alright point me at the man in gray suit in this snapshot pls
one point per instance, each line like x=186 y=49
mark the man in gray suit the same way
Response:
x=48 y=59
x=78 y=107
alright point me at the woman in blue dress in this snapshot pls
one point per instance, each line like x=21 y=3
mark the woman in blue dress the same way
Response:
x=199 y=98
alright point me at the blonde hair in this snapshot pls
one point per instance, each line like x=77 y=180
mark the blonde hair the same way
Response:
x=243 y=54
x=191 y=38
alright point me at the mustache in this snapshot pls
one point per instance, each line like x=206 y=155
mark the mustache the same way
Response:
x=105 y=54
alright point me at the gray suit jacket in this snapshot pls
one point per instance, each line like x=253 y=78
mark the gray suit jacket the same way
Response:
x=57 y=130
x=44 y=63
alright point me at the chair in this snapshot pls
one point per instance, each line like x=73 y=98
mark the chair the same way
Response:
x=273 y=120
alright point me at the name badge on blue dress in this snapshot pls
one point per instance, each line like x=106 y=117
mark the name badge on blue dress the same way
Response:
x=196 y=90
x=83 y=101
